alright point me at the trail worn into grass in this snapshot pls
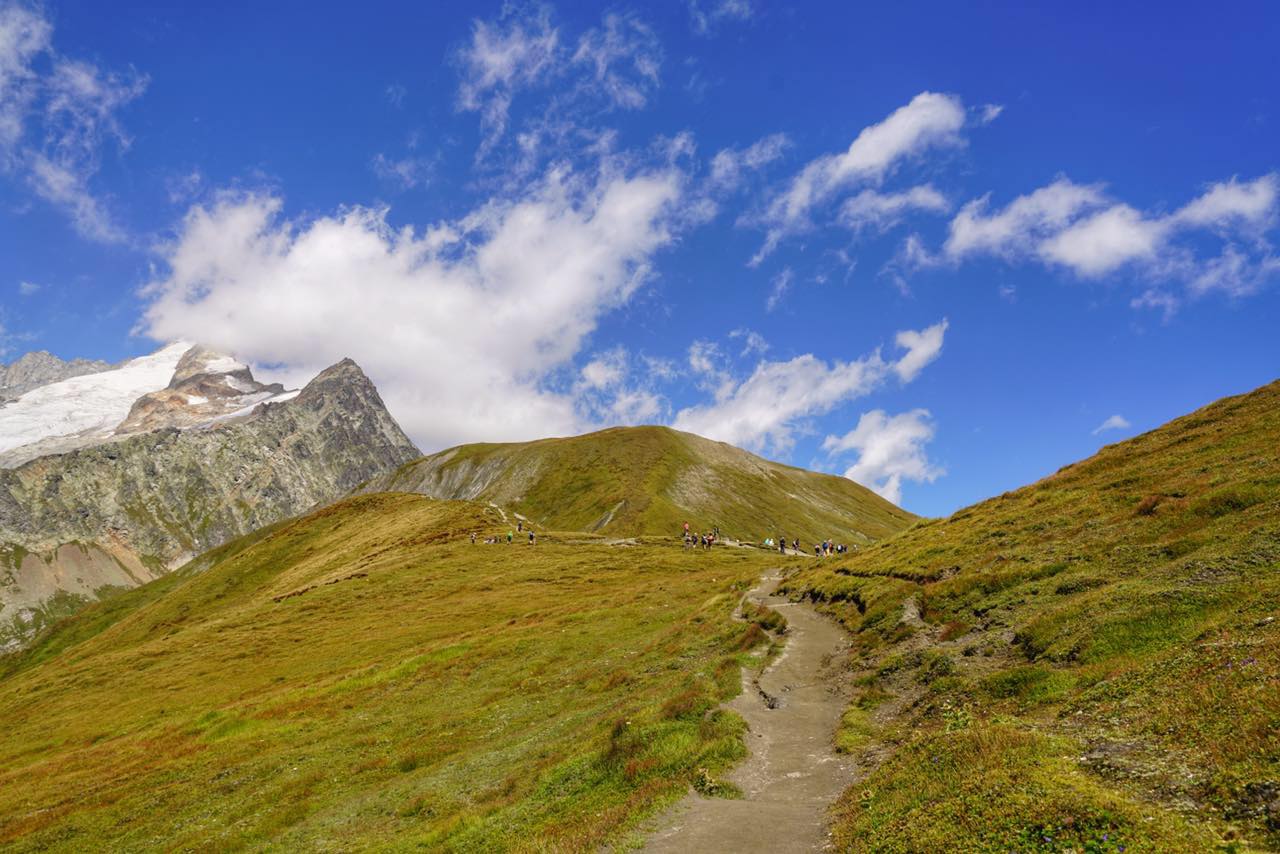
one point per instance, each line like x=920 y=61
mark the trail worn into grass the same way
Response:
x=793 y=773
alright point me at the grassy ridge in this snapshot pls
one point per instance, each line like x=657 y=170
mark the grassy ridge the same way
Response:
x=1113 y=627
x=365 y=678
x=630 y=481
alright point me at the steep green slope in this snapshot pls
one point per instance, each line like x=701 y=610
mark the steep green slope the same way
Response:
x=365 y=678
x=649 y=480
x=1093 y=660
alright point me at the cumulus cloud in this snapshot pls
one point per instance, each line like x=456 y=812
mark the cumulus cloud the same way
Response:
x=890 y=449
x=57 y=114
x=463 y=325
x=929 y=120
x=875 y=211
x=27 y=289
x=922 y=348
x=1078 y=228
x=766 y=409
x=1115 y=422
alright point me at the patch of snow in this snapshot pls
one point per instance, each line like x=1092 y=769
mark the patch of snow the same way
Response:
x=196 y=400
x=256 y=400
x=237 y=384
x=223 y=365
x=88 y=405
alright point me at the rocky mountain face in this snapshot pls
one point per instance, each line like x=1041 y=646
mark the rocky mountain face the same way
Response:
x=41 y=368
x=192 y=466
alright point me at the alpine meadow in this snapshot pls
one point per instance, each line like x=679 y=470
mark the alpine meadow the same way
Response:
x=706 y=426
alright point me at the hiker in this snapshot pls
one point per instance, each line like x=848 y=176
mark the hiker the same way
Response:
x=686 y=530
x=531 y=536
x=510 y=537
x=473 y=538
x=519 y=526
x=782 y=545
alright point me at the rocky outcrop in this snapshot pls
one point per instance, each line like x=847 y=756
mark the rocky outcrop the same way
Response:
x=41 y=368
x=148 y=502
x=206 y=386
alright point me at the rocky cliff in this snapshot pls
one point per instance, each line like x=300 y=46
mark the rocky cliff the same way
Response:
x=124 y=511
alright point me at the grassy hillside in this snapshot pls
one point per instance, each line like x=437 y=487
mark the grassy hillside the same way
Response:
x=649 y=480
x=1087 y=663
x=365 y=678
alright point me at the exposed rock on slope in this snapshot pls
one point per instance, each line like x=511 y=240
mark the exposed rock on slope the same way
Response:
x=648 y=480
x=41 y=368
x=140 y=504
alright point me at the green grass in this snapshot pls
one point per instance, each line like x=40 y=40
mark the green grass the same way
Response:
x=1126 y=602
x=650 y=480
x=365 y=678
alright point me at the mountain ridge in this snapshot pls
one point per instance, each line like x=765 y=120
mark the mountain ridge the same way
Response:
x=649 y=480
x=125 y=511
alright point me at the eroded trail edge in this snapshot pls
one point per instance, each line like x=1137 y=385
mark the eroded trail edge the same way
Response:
x=793 y=773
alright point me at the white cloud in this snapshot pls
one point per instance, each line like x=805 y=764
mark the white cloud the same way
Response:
x=753 y=342
x=404 y=173
x=1017 y=228
x=624 y=58
x=1154 y=298
x=881 y=211
x=503 y=57
x=56 y=116
x=930 y=120
x=1115 y=422
x=990 y=112
x=730 y=166
x=605 y=370
x=462 y=325
x=922 y=348
x=781 y=285
x=890 y=450
x=1105 y=241
x=27 y=289
x=717 y=12
x=1230 y=202
x=1077 y=227
x=767 y=408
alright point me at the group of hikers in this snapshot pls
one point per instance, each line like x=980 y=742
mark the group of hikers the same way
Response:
x=693 y=540
x=826 y=548
x=511 y=535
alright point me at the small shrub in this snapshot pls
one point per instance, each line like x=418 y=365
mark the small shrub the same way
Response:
x=690 y=703
x=708 y=785
x=408 y=762
x=1147 y=506
x=953 y=630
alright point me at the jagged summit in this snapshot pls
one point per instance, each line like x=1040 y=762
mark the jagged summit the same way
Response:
x=108 y=487
x=179 y=385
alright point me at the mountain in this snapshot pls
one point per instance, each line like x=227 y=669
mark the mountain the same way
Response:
x=41 y=368
x=629 y=481
x=363 y=678
x=1091 y=660
x=200 y=455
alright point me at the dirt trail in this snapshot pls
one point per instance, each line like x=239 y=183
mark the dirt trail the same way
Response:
x=793 y=773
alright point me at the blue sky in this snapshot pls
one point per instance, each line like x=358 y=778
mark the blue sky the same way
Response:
x=937 y=250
